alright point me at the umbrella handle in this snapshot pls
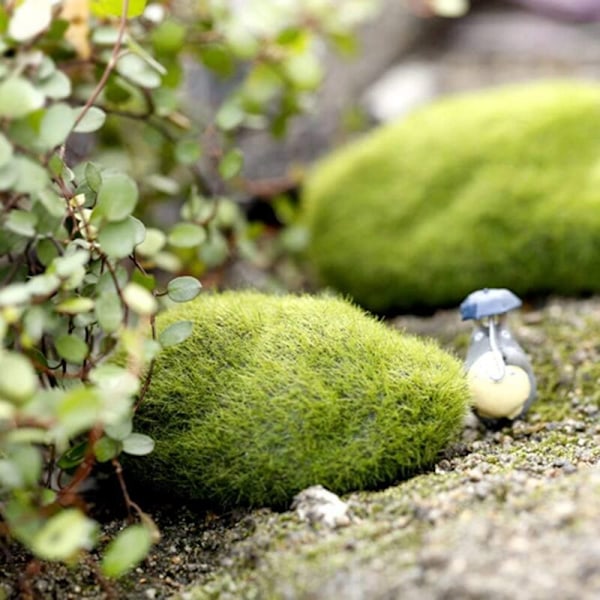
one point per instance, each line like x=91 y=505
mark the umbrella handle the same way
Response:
x=500 y=368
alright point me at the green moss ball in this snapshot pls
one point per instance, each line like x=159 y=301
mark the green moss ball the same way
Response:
x=498 y=188
x=272 y=394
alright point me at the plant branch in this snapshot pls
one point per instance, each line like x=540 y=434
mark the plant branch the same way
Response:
x=112 y=62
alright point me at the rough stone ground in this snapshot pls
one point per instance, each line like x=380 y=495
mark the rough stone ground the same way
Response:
x=503 y=514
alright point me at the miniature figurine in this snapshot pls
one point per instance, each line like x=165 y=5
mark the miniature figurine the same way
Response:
x=500 y=376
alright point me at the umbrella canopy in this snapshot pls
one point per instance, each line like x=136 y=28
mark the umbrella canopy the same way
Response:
x=488 y=302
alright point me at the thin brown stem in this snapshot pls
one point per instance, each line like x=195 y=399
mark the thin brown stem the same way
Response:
x=112 y=62
x=129 y=503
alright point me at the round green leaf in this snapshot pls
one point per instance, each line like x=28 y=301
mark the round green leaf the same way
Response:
x=109 y=311
x=75 y=306
x=231 y=164
x=6 y=150
x=175 y=333
x=138 y=444
x=31 y=177
x=19 y=98
x=21 y=222
x=118 y=239
x=69 y=264
x=304 y=70
x=153 y=242
x=93 y=177
x=78 y=411
x=117 y=197
x=22 y=382
x=64 y=535
x=73 y=456
x=138 y=71
x=182 y=289
x=121 y=430
x=115 y=380
x=168 y=37
x=230 y=115
x=27 y=458
x=56 y=87
x=16 y=293
x=56 y=125
x=92 y=120
x=187 y=152
x=187 y=235
x=71 y=348
x=126 y=551
x=106 y=449
x=139 y=299
x=114 y=8
x=30 y=19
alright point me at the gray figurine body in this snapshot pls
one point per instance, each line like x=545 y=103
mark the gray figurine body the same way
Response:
x=499 y=373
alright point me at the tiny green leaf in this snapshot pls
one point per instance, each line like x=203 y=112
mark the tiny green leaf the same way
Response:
x=153 y=242
x=74 y=306
x=230 y=115
x=92 y=120
x=73 y=456
x=31 y=177
x=182 y=289
x=56 y=87
x=117 y=197
x=175 y=333
x=138 y=444
x=56 y=125
x=71 y=348
x=115 y=380
x=106 y=449
x=138 y=71
x=126 y=551
x=67 y=265
x=18 y=98
x=78 y=410
x=30 y=19
x=118 y=239
x=121 y=430
x=114 y=8
x=64 y=535
x=93 y=176
x=109 y=311
x=21 y=222
x=22 y=382
x=6 y=150
x=139 y=299
x=187 y=235
x=187 y=152
x=231 y=164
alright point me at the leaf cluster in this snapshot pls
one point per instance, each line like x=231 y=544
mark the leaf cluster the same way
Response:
x=93 y=131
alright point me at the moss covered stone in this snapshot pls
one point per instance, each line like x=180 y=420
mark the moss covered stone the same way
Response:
x=273 y=394
x=493 y=189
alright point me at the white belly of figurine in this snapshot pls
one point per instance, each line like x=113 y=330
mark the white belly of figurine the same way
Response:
x=495 y=399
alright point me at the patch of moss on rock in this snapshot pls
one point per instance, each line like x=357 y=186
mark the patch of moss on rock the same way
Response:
x=498 y=188
x=273 y=394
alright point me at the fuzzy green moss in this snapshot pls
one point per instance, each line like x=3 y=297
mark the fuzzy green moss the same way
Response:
x=273 y=394
x=493 y=189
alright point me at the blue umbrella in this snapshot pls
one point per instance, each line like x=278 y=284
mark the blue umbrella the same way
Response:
x=488 y=302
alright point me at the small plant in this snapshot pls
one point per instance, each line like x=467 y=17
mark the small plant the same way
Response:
x=270 y=395
x=93 y=134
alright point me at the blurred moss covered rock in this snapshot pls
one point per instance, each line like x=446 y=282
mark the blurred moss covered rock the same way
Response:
x=272 y=394
x=498 y=188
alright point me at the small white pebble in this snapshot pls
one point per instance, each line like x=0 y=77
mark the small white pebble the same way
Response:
x=318 y=505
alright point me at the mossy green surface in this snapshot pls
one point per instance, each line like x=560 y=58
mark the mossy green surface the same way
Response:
x=273 y=394
x=492 y=189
